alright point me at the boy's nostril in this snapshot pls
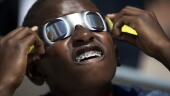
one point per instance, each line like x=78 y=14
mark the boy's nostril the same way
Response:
x=91 y=39
x=80 y=41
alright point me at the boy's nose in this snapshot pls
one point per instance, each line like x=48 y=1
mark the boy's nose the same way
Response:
x=81 y=36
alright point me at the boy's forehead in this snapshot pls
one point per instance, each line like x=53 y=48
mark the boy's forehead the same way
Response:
x=57 y=8
x=74 y=6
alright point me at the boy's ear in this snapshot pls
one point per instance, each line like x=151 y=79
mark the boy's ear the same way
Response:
x=117 y=55
x=32 y=71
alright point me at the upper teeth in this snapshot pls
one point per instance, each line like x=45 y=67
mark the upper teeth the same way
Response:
x=87 y=55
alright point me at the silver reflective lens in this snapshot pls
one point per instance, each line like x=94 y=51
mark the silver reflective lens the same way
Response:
x=95 y=21
x=56 y=30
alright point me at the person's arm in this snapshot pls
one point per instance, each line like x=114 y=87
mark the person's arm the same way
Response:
x=14 y=49
x=151 y=38
x=164 y=55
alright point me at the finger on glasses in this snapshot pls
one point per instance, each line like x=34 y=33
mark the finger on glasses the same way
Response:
x=24 y=32
x=34 y=43
x=35 y=28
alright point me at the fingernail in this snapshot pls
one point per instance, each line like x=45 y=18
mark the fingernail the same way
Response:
x=34 y=28
x=110 y=15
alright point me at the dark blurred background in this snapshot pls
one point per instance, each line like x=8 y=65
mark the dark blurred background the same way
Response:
x=8 y=15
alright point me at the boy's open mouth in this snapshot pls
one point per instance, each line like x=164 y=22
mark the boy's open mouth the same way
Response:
x=88 y=53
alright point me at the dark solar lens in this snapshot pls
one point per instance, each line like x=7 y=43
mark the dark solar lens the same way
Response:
x=56 y=30
x=95 y=21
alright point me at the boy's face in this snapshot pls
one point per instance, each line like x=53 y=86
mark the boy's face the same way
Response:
x=59 y=64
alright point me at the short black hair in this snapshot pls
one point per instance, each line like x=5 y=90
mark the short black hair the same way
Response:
x=28 y=20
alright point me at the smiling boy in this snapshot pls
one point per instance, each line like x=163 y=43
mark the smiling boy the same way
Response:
x=75 y=55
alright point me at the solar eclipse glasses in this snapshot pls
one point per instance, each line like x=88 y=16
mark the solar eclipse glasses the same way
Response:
x=63 y=27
